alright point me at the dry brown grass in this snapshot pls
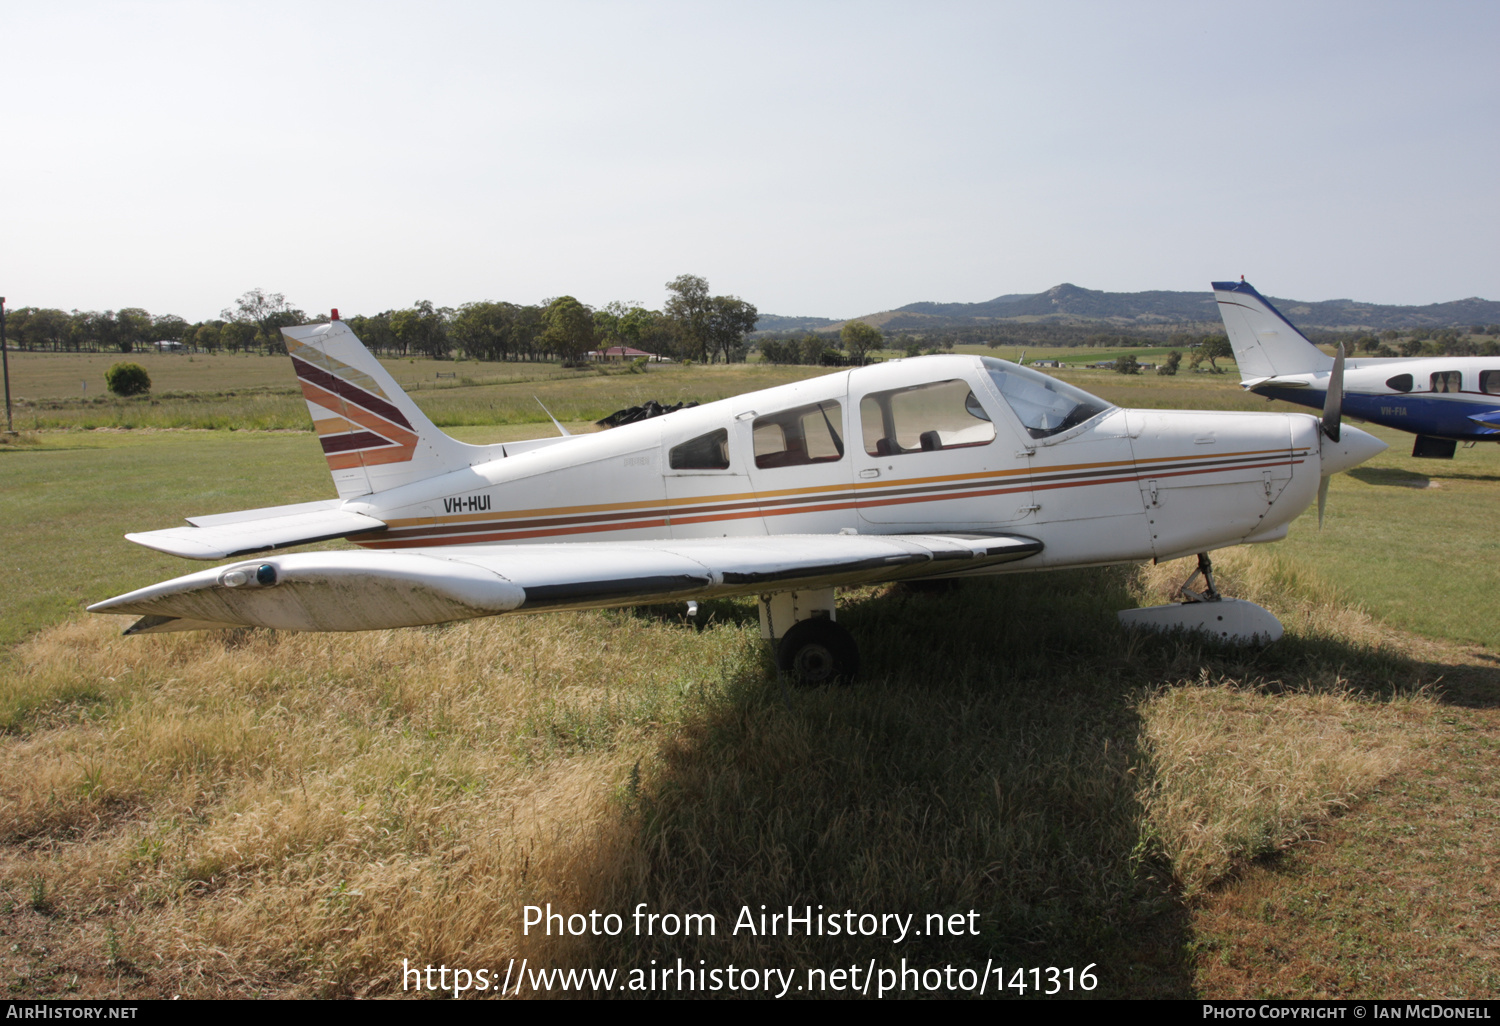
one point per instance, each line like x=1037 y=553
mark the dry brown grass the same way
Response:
x=299 y=811
x=252 y=812
x=1239 y=773
x=1241 y=768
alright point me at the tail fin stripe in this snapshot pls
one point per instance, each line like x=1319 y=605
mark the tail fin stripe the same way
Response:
x=373 y=436
x=358 y=416
x=1246 y=288
x=359 y=440
x=318 y=358
x=309 y=374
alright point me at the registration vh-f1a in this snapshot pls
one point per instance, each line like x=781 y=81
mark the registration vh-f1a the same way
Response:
x=930 y=467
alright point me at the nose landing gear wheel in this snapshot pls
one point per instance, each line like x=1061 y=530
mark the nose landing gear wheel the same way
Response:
x=818 y=651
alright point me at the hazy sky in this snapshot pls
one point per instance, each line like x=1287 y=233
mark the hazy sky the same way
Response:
x=828 y=159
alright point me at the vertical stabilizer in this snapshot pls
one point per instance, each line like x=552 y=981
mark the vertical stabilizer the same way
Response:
x=1265 y=343
x=373 y=435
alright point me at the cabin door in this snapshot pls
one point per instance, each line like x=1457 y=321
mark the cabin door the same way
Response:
x=938 y=454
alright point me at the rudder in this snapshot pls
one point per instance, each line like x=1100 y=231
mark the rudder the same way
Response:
x=373 y=436
x=1265 y=343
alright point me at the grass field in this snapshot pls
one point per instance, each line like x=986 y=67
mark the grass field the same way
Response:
x=253 y=813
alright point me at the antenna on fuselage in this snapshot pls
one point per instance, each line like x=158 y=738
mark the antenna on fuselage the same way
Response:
x=561 y=430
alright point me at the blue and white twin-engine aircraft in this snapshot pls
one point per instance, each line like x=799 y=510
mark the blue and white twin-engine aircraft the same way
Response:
x=1444 y=400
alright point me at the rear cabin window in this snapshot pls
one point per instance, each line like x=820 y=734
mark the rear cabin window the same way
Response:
x=706 y=452
x=1489 y=382
x=924 y=418
x=1400 y=383
x=1447 y=381
x=794 y=438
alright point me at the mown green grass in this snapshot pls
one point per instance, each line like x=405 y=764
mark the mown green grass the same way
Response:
x=1413 y=541
x=496 y=393
x=54 y=376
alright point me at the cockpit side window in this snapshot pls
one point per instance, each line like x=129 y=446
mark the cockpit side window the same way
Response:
x=1044 y=405
x=1489 y=382
x=1447 y=381
x=793 y=438
x=1400 y=383
x=706 y=452
x=924 y=418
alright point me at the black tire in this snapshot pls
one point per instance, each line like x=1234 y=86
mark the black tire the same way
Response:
x=816 y=652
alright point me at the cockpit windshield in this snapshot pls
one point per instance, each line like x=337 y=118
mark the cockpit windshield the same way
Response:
x=1044 y=405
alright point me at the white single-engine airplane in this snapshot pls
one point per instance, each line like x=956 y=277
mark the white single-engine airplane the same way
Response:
x=939 y=466
x=1444 y=400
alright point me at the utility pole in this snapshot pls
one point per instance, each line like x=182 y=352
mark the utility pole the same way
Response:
x=5 y=362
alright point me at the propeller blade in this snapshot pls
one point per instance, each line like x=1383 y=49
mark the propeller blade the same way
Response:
x=1333 y=402
x=1322 y=498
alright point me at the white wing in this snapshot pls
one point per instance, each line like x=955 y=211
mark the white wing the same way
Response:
x=367 y=590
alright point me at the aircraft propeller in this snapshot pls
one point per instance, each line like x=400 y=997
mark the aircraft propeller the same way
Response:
x=1333 y=413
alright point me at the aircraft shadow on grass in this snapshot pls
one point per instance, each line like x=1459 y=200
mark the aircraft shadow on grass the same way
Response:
x=990 y=759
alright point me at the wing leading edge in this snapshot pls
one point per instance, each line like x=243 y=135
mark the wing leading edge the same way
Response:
x=368 y=590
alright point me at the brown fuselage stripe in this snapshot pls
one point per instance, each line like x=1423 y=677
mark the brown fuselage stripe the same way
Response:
x=452 y=533
x=820 y=492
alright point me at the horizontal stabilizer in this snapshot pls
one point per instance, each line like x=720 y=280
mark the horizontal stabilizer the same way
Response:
x=1254 y=384
x=238 y=534
x=264 y=513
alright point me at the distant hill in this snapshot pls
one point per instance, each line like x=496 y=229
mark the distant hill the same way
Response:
x=776 y=322
x=1069 y=304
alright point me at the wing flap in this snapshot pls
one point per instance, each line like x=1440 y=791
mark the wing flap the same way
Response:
x=233 y=534
x=576 y=576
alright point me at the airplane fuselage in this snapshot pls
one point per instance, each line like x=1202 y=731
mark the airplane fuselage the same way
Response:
x=1446 y=397
x=928 y=444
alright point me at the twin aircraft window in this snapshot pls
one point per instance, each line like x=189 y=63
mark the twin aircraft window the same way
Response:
x=1447 y=381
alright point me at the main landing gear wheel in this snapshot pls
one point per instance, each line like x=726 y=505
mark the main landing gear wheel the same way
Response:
x=818 y=651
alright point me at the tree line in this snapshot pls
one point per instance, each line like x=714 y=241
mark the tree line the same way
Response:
x=692 y=325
